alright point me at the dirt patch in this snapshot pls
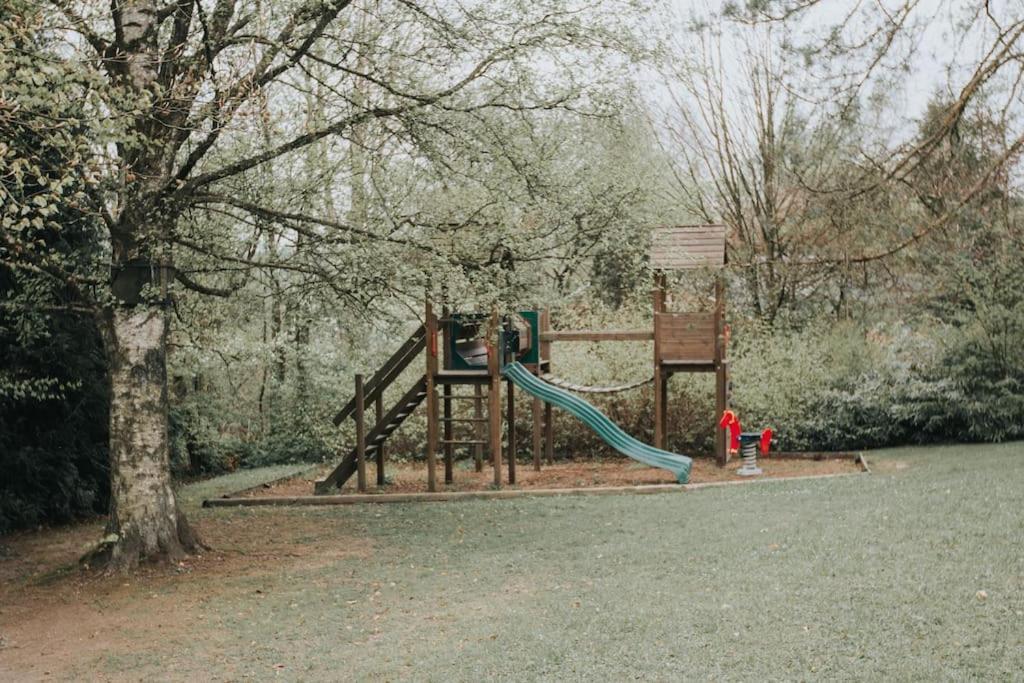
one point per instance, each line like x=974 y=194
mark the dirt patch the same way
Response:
x=54 y=615
x=412 y=477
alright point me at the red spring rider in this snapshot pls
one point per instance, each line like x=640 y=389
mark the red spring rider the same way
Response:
x=746 y=442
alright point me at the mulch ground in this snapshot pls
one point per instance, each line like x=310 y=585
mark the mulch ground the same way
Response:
x=412 y=477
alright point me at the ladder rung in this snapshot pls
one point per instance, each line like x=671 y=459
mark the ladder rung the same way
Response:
x=481 y=397
x=463 y=419
x=463 y=443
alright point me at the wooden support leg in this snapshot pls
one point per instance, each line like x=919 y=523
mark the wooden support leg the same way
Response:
x=494 y=415
x=659 y=407
x=511 y=433
x=431 y=437
x=360 y=435
x=721 y=405
x=449 y=447
x=664 y=410
x=481 y=431
x=549 y=434
x=537 y=433
x=431 y=327
x=380 y=447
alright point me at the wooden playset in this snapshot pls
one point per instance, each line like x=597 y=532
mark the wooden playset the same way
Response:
x=468 y=357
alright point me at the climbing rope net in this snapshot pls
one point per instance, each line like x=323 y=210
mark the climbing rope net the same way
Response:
x=584 y=389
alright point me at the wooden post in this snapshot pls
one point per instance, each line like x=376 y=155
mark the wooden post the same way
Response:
x=663 y=426
x=479 y=429
x=360 y=435
x=380 y=447
x=549 y=434
x=545 y=354
x=721 y=374
x=511 y=433
x=449 y=447
x=544 y=347
x=658 y=301
x=721 y=405
x=431 y=325
x=537 y=433
x=494 y=401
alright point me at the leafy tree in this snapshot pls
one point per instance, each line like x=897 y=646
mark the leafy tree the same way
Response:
x=187 y=107
x=783 y=127
x=53 y=388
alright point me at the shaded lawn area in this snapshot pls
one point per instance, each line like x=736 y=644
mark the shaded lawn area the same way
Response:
x=913 y=572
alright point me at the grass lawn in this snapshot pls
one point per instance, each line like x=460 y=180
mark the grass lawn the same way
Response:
x=915 y=572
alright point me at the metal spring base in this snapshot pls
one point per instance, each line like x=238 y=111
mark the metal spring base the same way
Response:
x=749 y=468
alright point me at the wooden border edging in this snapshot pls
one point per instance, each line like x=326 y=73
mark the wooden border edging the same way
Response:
x=446 y=496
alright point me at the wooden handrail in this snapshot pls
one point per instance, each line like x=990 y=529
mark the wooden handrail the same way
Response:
x=387 y=424
x=387 y=373
x=597 y=335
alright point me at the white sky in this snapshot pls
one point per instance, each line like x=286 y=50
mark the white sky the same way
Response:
x=940 y=40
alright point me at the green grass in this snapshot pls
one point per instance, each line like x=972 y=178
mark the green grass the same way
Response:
x=192 y=495
x=873 y=577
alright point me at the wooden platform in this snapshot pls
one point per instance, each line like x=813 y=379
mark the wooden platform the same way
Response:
x=674 y=366
x=462 y=377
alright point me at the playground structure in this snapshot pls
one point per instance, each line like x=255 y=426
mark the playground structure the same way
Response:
x=477 y=353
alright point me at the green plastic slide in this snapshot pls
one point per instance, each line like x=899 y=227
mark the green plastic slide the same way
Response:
x=611 y=433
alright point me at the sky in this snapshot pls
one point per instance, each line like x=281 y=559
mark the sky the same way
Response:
x=936 y=39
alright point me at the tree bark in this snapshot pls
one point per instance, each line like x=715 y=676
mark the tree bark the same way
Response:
x=145 y=522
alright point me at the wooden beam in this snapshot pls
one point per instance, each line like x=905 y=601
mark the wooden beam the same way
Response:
x=360 y=435
x=545 y=355
x=549 y=434
x=658 y=304
x=431 y=324
x=511 y=433
x=544 y=325
x=721 y=375
x=537 y=433
x=664 y=409
x=442 y=496
x=659 y=407
x=449 y=447
x=494 y=402
x=597 y=335
x=481 y=430
x=379 y=406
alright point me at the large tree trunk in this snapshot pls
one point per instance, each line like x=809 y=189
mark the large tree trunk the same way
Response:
x=145 y=520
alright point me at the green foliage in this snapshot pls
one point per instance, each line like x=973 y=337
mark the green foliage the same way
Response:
x=846 y=388
x=53 y=443
x=53 y=384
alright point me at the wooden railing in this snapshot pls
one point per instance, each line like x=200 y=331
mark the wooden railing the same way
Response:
x=387 y=373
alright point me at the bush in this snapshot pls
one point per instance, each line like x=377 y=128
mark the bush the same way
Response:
x=846 y=388
x=53 y=446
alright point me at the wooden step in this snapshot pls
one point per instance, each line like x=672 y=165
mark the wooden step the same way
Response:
x=388 y=373
x=377 y=435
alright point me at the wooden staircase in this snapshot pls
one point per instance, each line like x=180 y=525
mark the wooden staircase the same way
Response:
x=387 y=373
x=376 y=437
x=390 y=421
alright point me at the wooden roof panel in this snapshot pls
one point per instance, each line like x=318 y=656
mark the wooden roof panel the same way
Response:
x=684 y=247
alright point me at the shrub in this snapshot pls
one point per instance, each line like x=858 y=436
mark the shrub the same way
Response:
x=53 y=446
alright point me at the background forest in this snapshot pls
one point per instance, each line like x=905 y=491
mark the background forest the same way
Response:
x=515 y=154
